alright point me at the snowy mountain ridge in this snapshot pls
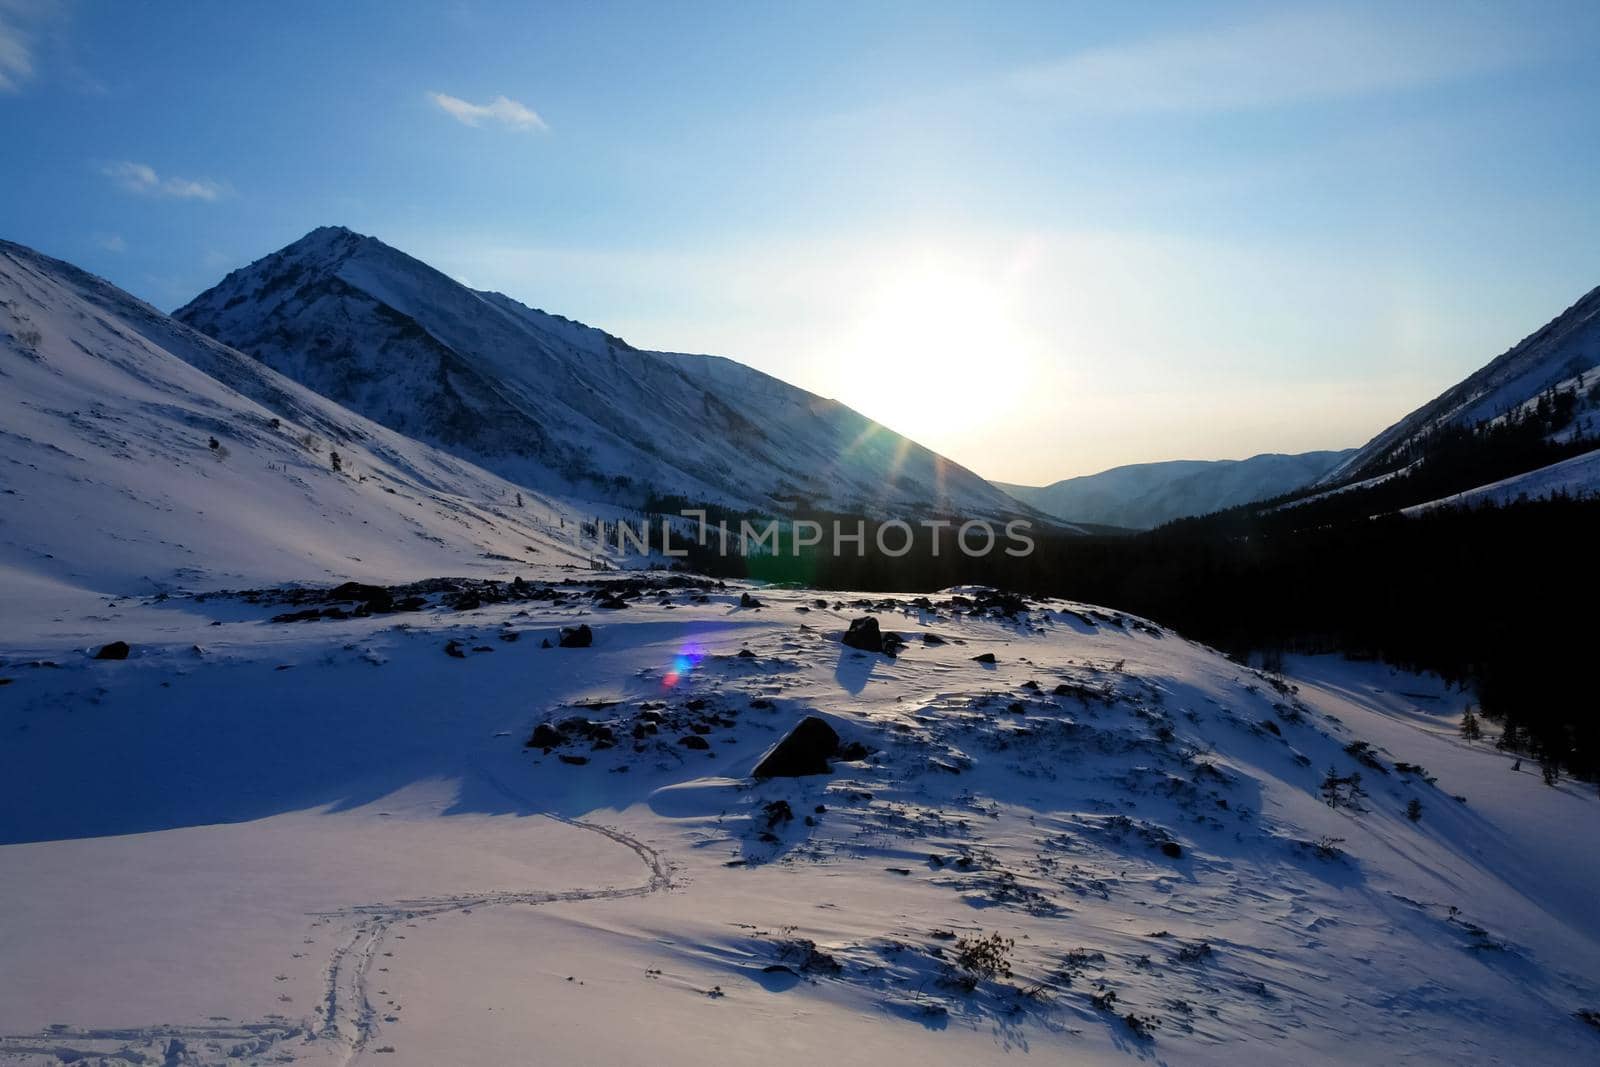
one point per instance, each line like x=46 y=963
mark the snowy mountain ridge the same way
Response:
x=141 y=455
x=1554 y=355
x=1145 y=495
x=554 y=404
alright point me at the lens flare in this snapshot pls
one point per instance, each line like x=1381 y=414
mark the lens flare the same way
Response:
x=682 y=664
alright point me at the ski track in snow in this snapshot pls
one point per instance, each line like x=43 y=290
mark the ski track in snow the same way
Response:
x=347 y=1017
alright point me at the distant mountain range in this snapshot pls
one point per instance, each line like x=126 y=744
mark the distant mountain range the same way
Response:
x=1145 y=495
x=554 y=404
x=1524 y=426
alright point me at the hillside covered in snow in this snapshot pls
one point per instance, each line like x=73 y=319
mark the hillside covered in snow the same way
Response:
x=1145 y=495
x=141 y=456
x=1548 y=380
x=555 y=404
x=1034 y=832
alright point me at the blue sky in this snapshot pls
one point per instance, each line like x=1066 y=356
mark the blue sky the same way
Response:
x=1043 y=239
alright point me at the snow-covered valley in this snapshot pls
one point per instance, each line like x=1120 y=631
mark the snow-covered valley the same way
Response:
x=331 y=841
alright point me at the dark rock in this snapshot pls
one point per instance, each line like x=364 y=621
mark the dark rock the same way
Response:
x=454 y=649
x=932 y=639
x=1172 y=849
x=375 y=597
x=579 y=636
x=545 y=736
x=865 y=635
x=613 y=603
x=777 y=812
x=115 y=650
x=804 y=750
x=987 y=657
x=745 y=653
x=1272 y=727
x=576 y=761
x=853 y=751
x=308 y=615
x=748 y=601
x=694 y=741
x=545 y=643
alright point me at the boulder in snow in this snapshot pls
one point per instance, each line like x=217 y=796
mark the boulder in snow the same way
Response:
x=804 y=750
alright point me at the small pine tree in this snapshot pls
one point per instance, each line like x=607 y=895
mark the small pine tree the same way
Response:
x=214 y=444
x=1469 y=726
x=519 y=500
x=338 y=464
x=1414 y=810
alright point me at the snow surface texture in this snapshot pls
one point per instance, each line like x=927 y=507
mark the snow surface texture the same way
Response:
x=329 y=842
x=554 y=404
x=1559 y=351
x=141 y=456
x=1142 y=496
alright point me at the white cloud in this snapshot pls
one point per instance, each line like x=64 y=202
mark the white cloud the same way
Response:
x=16 y=58
x=501 y=109
x=1284 y=58
x=142 y=178
x=111 y=242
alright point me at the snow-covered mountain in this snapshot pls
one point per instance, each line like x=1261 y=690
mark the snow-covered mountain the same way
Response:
x=1145 y=495
x=552 y=403
x=140 y=455
x=1555 y=357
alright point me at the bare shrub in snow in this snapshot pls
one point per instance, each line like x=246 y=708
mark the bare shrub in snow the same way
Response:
x=979 y=958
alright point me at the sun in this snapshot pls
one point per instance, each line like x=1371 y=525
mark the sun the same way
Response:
x=936 y=342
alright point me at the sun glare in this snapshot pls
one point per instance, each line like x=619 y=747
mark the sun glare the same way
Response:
x=936 y=342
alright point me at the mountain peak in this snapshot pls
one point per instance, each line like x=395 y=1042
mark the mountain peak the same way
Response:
x=549 y=402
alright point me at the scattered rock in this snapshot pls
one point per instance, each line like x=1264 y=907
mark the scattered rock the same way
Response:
x=545 y=736
x=864 y=634
x=748 y=601
x=454 y=648
x=579 y=636
x=1172 y=849
x=694 y=741
x=987 y=657
x=777 y=812
x=115 y=650
x=803 y=751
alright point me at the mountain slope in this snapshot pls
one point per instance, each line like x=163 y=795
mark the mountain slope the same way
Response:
x=362 y=860
x=1556 y=356
x=552 y=403
x=140 y=454
x=1145 y=495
